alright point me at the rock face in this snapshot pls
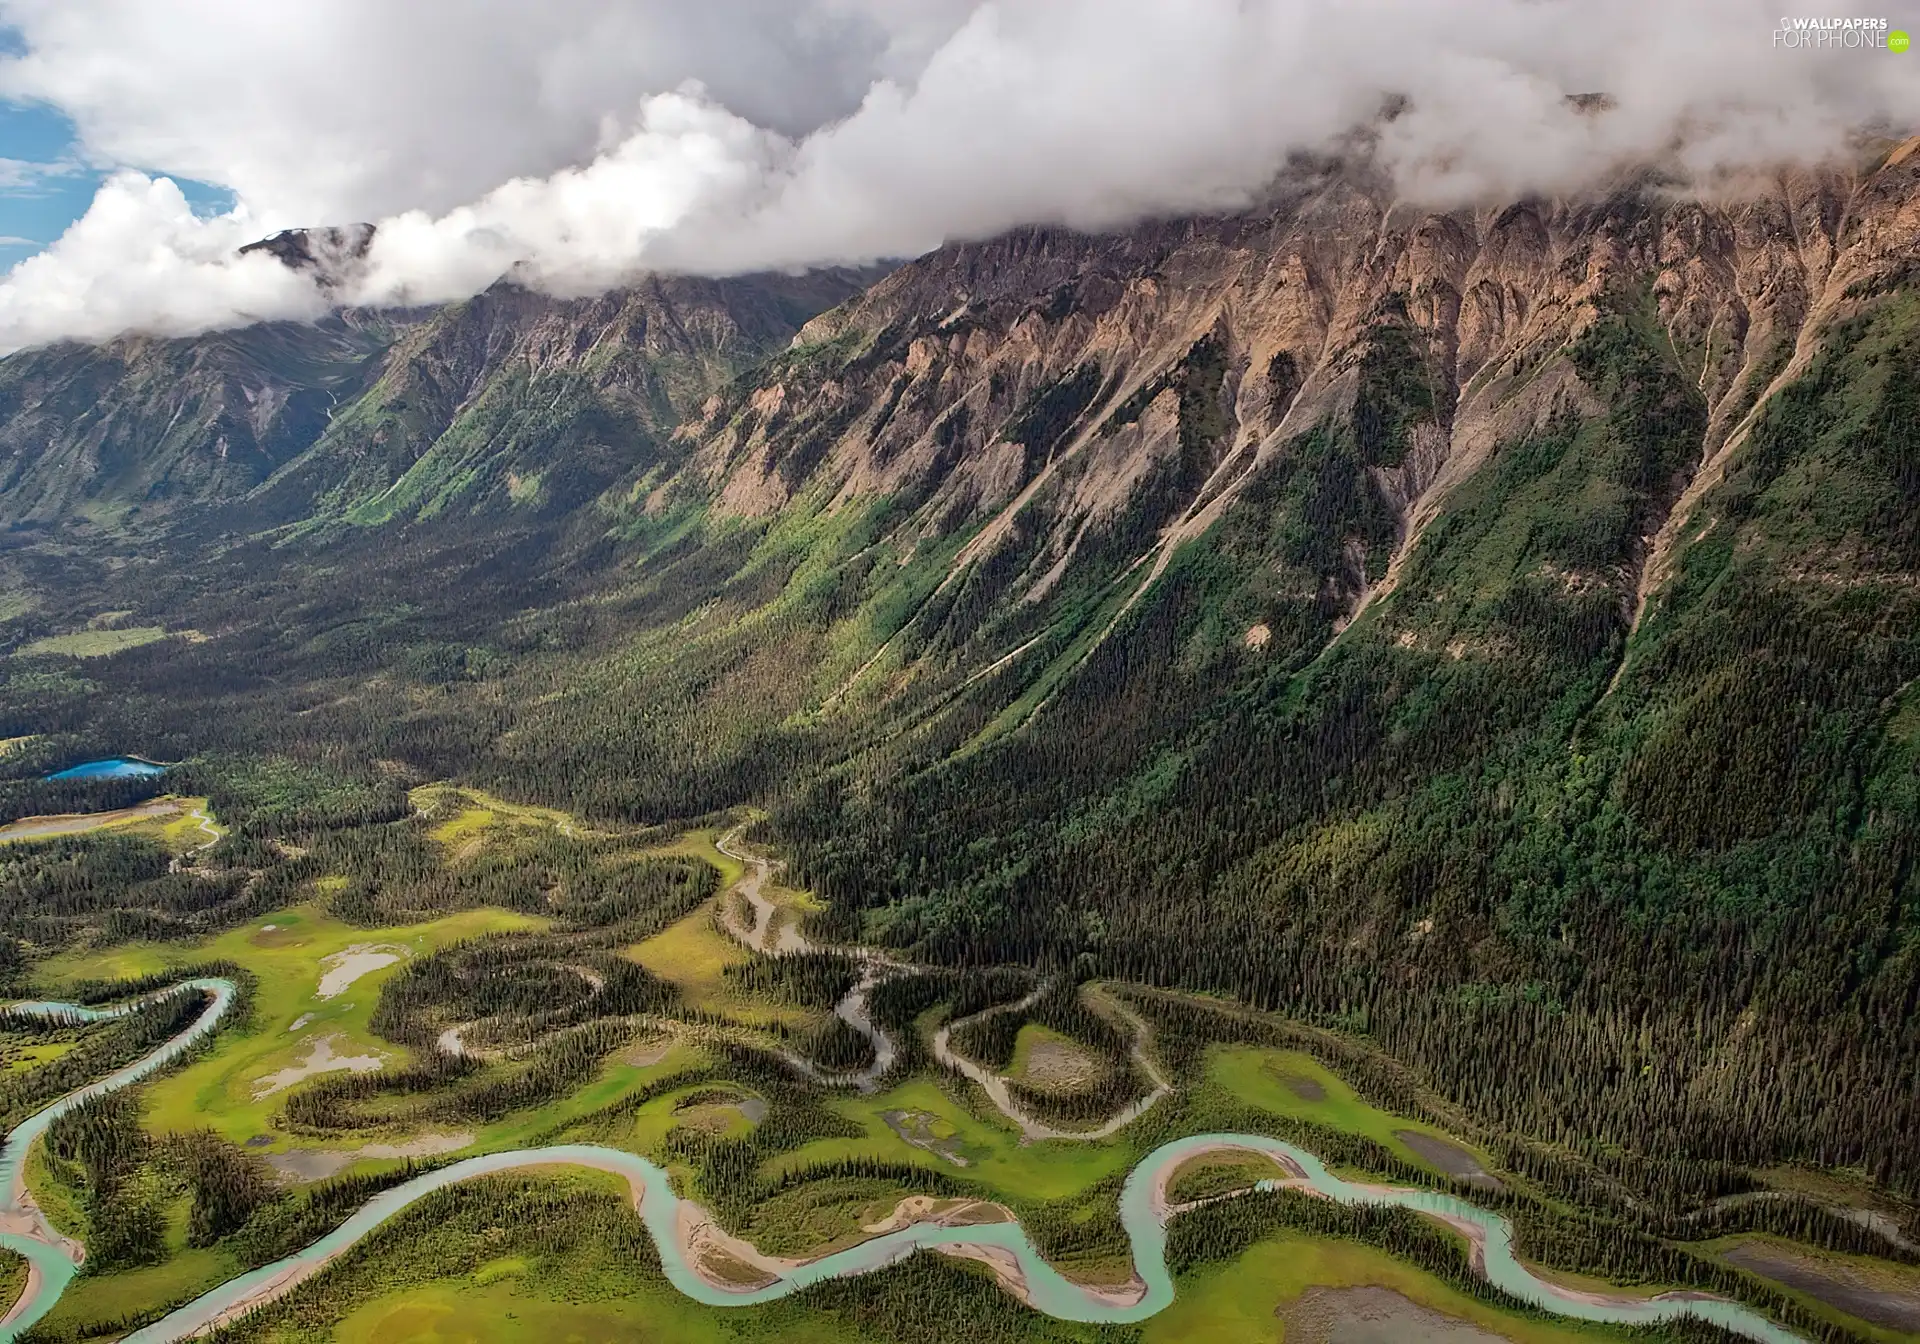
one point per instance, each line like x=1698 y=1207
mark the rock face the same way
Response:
x=137 y=431
x=1043 y=381
x=1046 y=390
x=513 y=399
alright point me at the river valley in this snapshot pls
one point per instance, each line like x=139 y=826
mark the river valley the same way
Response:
x=681 y=1231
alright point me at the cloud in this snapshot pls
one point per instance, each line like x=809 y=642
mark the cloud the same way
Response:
x=13 y=240
x=572 y=145
x=579 y=230
x=24 y=177
x=355 y=109
x=141 y=260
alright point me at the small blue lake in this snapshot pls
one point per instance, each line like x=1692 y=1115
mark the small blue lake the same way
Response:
x=119 y=767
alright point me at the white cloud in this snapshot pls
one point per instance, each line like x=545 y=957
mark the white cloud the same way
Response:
x=22 y=177
x=574 y=143
x=140 y=259
x=14 y=240
x=355 y=109
x=580 y=230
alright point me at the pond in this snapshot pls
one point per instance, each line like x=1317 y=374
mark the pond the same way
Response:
x=117 y=767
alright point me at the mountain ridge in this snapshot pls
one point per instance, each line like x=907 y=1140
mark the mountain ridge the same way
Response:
x=376 y=389
x=1483 y=318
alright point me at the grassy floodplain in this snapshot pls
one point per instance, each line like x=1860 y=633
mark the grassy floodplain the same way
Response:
x=995 y=1155
x=1237 y=1303
x=1051 y=1061
x=461 y=818
x=286 y=951
x=693 y=955
x=1294 y=1084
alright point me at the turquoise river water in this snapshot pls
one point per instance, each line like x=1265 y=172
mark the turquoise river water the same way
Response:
x=659 y=1207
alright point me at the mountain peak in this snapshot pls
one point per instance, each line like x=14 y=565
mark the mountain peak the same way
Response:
x=331 y=254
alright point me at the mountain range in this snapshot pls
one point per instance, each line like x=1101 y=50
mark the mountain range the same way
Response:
x=1490 y=626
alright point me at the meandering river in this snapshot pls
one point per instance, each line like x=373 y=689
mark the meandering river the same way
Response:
x=1142 y=1212
x=52 y=1260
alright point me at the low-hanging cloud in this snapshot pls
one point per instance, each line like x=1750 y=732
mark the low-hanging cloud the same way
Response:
x=140 y=260
x=574 y=147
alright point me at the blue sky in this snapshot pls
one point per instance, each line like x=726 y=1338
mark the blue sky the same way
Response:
x=45 y=184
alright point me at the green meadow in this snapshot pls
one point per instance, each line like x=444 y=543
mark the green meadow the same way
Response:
x=287 y=951
x=1294 y=1084
x=95 y=643
x=995 y=1154
x=1237 y=1302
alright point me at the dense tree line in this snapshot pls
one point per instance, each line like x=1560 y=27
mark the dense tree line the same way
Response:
x=293 y=1219
x=100 y=1147
x=515 y=989
x=457 y=1090
x=227 y=1184
x=118 y=889
x=836 y=1046
x=806 y=980
x=897 y=1004
x=53 y=797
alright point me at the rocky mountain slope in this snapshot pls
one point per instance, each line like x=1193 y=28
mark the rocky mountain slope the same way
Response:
x=511 y=399
x=1048 y=394
x=987 y=464
x=115 y=436
x=1486 y=626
